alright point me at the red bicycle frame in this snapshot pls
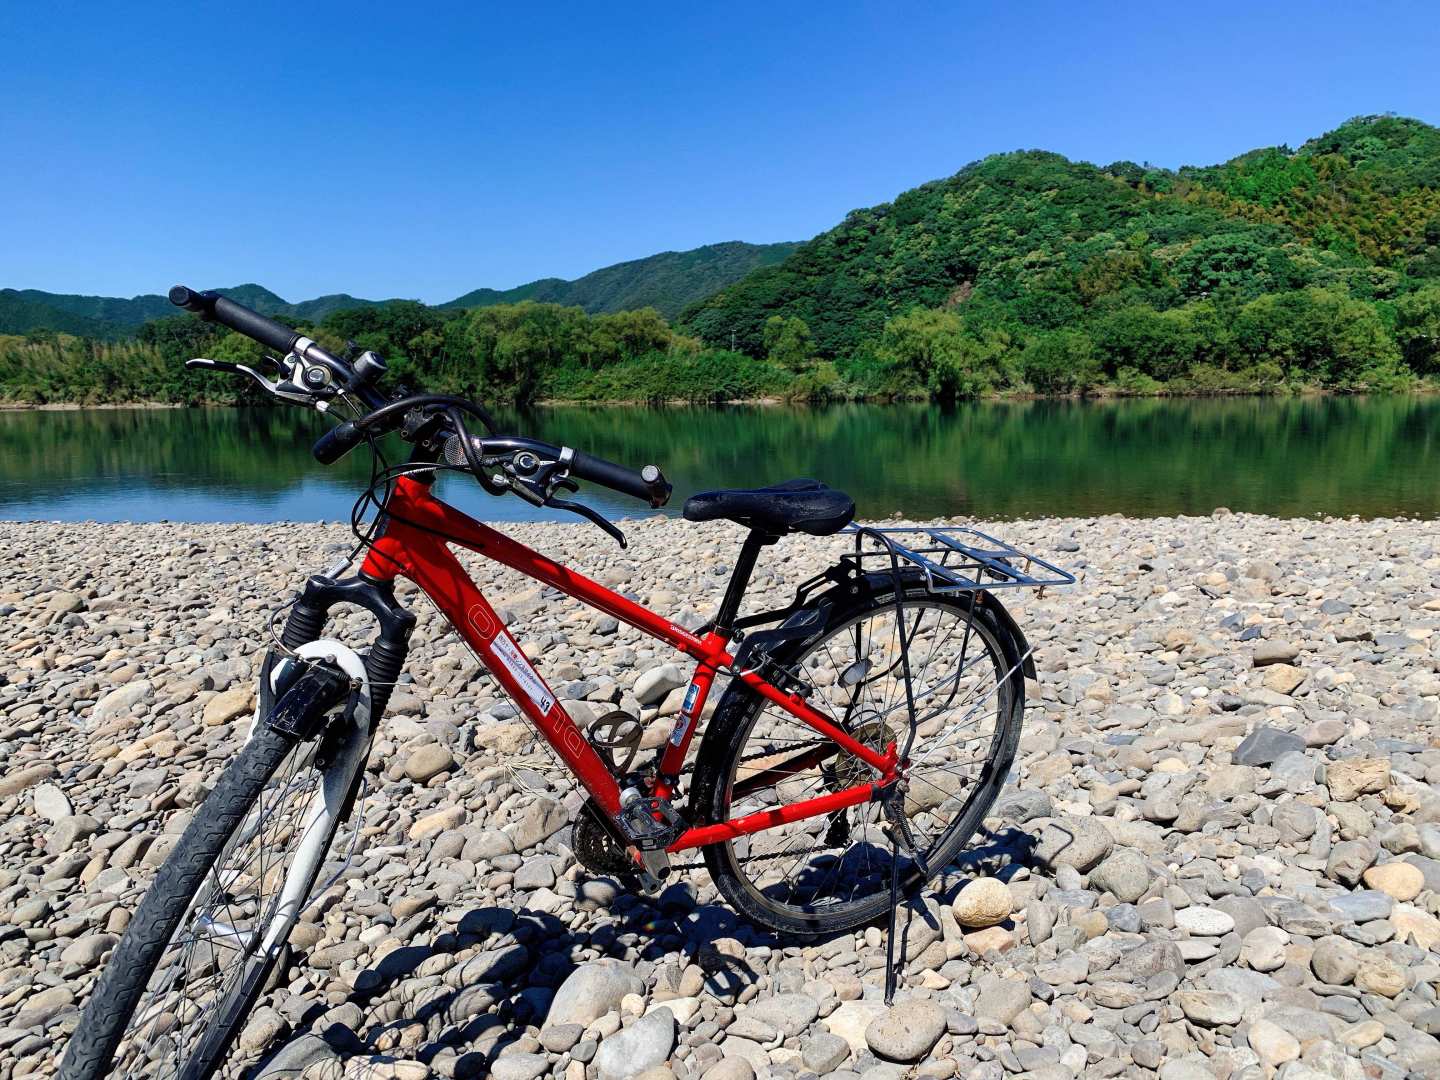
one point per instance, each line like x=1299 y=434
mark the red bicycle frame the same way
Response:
x=414 y=544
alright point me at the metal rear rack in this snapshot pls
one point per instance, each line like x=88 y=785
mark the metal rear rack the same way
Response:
x=953 y=559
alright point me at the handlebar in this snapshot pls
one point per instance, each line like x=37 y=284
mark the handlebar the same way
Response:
x=648 y=484
x=213 y=306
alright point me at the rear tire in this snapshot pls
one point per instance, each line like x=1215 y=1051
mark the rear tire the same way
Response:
x=737 y=734
x=111 y=1040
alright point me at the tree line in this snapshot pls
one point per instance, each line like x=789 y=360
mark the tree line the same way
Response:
x=1024 y=273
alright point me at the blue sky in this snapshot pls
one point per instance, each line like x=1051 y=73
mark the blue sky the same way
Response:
x=423 y=150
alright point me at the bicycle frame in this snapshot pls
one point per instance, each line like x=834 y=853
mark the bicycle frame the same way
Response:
x=414 y=544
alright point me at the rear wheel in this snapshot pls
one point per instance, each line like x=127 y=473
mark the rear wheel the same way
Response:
x=832 y=873
x=207 y=933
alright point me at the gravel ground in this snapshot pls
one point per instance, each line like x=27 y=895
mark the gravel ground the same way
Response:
x=1219 y=855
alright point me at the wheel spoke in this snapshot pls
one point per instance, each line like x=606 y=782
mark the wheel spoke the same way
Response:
x=960 y=693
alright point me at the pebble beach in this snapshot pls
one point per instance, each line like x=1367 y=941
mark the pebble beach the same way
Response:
x=1218 y=854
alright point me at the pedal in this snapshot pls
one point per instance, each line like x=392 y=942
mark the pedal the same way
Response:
x=650 y=824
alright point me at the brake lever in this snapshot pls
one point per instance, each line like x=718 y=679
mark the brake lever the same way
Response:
x=287 y=390
x=588 y=512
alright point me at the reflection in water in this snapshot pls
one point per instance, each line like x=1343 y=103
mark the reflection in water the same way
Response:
x=1289 y=457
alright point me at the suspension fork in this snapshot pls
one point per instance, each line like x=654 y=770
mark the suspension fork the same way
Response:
x=386 y=657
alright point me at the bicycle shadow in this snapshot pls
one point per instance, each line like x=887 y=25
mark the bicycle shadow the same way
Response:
x=478 y=1007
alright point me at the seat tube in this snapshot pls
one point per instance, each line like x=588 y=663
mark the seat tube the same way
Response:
x=740 y=579
x=672 y=761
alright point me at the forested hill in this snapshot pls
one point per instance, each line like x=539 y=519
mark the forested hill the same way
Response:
x=1121 y=271
x=26 y=311
x=667 y=282
x=1280 y=270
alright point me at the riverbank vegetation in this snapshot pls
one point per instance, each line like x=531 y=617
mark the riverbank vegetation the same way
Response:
x=1278 y=271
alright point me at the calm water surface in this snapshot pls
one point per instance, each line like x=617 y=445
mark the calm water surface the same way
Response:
x=1289 y=457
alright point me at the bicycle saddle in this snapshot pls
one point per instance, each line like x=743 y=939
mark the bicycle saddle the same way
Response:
x=806 y=506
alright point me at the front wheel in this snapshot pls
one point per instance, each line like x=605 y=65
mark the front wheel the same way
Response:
x=832 y=873
x=204 y=939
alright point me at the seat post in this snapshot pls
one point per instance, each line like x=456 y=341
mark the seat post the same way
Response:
x=740 y=578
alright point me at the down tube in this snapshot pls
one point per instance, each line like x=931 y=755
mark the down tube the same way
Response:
x=435 y=569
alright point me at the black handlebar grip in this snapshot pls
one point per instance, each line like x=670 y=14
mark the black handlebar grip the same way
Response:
x=189 y=299
x=648 y=486
x=237 y=317
x=337 y=442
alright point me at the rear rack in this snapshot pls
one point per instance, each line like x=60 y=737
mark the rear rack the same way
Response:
x=953 y=559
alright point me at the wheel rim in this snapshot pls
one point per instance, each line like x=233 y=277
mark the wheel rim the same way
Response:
x=838 y=863
x=210 y=969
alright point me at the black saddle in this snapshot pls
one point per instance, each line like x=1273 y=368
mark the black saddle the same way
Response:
x=796 y=505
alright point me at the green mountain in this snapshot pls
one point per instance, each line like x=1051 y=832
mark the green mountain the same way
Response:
x=668 y=282
x=1150 y=267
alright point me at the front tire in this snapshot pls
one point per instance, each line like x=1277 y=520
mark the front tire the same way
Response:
x=207 y=933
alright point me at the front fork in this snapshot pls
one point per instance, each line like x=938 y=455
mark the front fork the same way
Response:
x=387 y=653
x=285 y=704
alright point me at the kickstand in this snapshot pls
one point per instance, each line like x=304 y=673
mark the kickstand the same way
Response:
x=894 y=910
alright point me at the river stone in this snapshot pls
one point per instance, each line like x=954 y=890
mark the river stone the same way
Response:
x=429 y=761
x=631 y=1051
x=984 y=902
x=1349 y=779
x=592 y=990
x=1272 y=652
x=1294 y=821
x=1124 y=874
x=1265 y=745
x=823 y=1053
x=120 y=702
x=1209 y=1007
x=1021 y=805
x=1410 y=922
x=851 y=1020
x=264 y=1026
x=732 y=1067
x=1002 y=1000
x=519 y=1066
x=51 y=803
x=652 y=687
x=1349 y=859
x=87 y=951
x=1204 y=921
x=1292 y=771
x=1073 y=841
x=1364 y=905
x=1334 y=961
x=542 y=819
x=1263 y=948
x=17 y=780
x=907 y=1031
x=1273 y=1043
x=1378 y=974
x=789 y=1014
x=1152 y=958
x=1398 y=880
x=229 y=705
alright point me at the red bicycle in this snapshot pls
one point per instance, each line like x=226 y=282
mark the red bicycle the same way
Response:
x=864 y=733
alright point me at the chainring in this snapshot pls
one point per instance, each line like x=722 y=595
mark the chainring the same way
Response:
x=596 y=849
